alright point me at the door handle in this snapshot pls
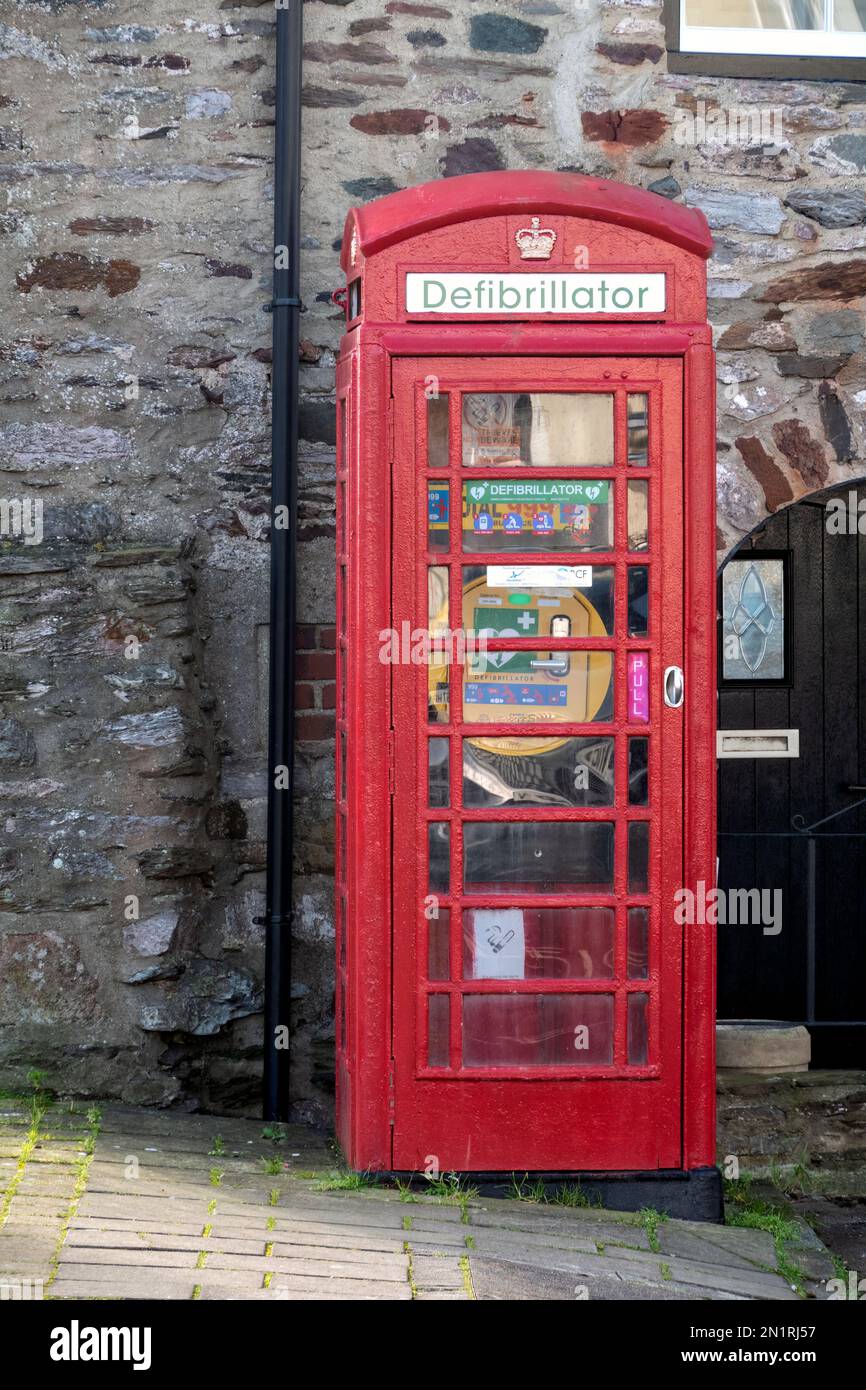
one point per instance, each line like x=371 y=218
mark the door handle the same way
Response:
x=674 y=687
x=557 y=665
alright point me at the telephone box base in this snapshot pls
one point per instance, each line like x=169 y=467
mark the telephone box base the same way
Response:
x=693 y=1196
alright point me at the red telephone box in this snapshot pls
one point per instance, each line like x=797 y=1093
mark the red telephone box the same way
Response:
x=526 y=686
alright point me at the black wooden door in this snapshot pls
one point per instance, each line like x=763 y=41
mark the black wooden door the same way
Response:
x=763 y=975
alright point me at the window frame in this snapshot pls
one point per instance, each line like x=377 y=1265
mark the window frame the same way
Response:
x=807 y=67
x=786 y=680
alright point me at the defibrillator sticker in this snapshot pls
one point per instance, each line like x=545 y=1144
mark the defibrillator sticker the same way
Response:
x=540 y=576
x=509 y=693
x=534 y=491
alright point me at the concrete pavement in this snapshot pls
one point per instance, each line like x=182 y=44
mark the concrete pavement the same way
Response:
x=107 y=1202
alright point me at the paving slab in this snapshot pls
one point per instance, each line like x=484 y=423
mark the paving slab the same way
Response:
x=83 y=1225
x=493 y=1280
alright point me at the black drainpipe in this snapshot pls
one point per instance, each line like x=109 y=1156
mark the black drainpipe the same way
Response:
x=284 y=489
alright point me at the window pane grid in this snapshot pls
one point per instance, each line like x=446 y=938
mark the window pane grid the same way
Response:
x=453 y=903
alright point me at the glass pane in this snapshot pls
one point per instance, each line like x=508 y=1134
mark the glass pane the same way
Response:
x=756 y=14
x=437 y=600
x=541 y=428
x=638 y=600
x=439 y=945
x=848 y=15
x=638 y=431
x=437 y=431
x=753 y=620
x=638 y=771
x=439 y=700
x=638 y=1031
x=439 y=666
x=538 y=772
x=439 y=842
x=538 y=943
x=537 y=514
x=538 y=600
x=504 y=687
x=438 y=1029
x=638 y=514
x=638 y=943
x=437 y=516
x=537 y=1030
x=638 y=856
x=437 y=773
x=538 y=856
x=638 y=687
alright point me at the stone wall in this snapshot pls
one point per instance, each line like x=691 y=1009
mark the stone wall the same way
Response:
x=135 y=228
x=809 y=1126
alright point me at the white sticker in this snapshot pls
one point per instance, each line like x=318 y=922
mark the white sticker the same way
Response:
x=500 y=945
x=539 y=576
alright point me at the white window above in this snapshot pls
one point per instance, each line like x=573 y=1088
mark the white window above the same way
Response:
x=774 y=28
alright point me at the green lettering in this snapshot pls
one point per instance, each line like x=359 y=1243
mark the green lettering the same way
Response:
x=437 y=285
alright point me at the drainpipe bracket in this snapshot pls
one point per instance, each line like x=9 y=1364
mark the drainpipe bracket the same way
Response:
x=292 y=303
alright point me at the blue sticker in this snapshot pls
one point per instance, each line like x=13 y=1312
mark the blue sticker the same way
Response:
x=437 y=505
x=508 y=693
x=513 y=522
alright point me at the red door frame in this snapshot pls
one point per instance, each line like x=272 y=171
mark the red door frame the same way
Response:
x=544 y=1118
x=365 y=1077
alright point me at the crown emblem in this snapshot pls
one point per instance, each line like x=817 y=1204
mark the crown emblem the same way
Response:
x=536 y=242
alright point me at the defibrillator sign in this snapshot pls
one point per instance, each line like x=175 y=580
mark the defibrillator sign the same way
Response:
x=536 y=293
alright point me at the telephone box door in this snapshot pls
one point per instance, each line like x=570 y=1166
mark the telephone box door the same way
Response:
x=538 y=763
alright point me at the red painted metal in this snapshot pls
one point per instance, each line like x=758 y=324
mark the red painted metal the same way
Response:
x=394 y=1110
x=427 y=207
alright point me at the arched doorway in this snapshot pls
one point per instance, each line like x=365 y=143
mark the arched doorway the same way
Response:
x=792 y=772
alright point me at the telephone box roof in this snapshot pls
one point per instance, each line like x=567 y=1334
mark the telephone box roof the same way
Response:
x=446 y=202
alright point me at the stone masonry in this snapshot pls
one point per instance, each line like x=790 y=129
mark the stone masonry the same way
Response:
x=135 y=233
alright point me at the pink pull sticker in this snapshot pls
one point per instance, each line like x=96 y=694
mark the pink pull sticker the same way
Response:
x=638 y=687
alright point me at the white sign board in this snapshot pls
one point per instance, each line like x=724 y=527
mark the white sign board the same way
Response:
x=499 y=944
x=520 y=292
